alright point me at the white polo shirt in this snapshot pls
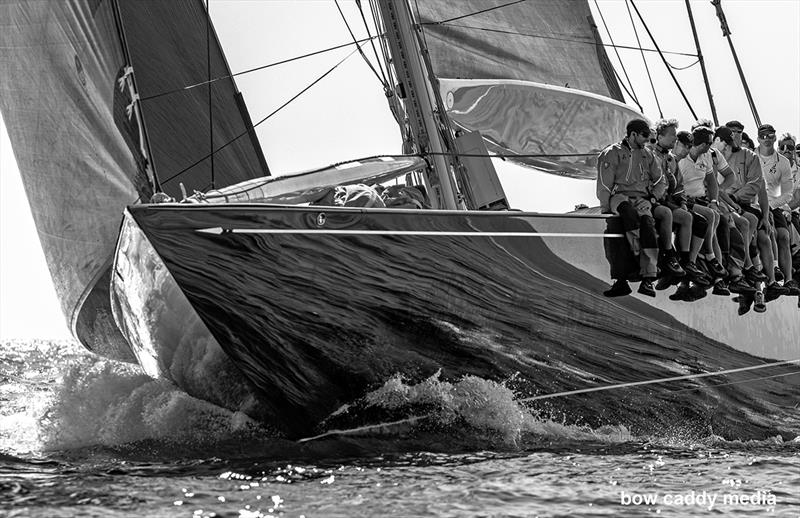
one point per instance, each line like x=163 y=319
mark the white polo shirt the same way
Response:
x=695 y=171
x=778 y=175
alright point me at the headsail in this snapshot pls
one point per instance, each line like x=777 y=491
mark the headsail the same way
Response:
x=541 y=57
x=77 y=150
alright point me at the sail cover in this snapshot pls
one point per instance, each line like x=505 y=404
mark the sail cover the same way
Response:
x=529 y=46
x=77 y=150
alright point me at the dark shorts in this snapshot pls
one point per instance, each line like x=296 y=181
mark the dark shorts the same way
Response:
x=779 y=219
x=752 y=210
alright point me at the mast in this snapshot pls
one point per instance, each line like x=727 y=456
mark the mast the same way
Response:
x=702 y=64
x=726 y=31
x=429 y=128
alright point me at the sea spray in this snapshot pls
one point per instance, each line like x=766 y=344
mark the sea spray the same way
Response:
x=106 y=403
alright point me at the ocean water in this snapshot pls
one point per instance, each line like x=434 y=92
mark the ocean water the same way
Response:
x=84 y=436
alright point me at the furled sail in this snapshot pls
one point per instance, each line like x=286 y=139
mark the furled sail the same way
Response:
x=77 y=149
x=532 y=63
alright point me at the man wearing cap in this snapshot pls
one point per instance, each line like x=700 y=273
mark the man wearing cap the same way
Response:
x=744 y=223
x=628 y=176
x=780 y=186
x=747 y=191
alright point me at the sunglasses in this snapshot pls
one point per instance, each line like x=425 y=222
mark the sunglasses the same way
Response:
x=787 y=147
x=771 y=136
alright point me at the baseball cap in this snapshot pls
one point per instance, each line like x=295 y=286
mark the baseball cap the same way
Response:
x=734 y=124
x=725 y=134
x=765 y=129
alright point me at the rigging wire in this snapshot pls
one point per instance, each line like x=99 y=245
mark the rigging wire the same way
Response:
x=372 y=43
x=346 y=24
x=441 y=22
x=647 y=68
x=262 y=67
x=246 y=132
x=631 y=93
x=210 y=104
x=661 y=54
x=570 y=40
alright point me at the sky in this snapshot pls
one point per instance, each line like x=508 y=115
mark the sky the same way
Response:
x=346 y=116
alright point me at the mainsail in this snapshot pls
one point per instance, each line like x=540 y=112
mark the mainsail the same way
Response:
x=532 y=64
x=78 y=151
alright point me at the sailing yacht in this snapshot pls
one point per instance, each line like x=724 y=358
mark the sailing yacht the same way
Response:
x=173 y=246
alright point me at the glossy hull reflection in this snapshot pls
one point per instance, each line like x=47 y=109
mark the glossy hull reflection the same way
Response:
x=317 y=305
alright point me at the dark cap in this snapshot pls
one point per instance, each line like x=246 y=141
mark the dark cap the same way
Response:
x=765 y=129
x=725 y=134
x=735 y=125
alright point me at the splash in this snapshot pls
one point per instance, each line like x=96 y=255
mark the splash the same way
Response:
x=483 y=409
x=59 y=397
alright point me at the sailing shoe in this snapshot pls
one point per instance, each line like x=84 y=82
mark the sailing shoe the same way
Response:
x=721 y=288
x=753 y=276
x=745 y=303
x=618 y=289
x=759 y=306
x=646 y=288
x=681 y=293
x=694 y=273
x=773 y=291
x=739 y=285
x=793 y=286
x=665 y=282
x=716 y=269
x=671 y=266
x=779 y=274
x=696 y=292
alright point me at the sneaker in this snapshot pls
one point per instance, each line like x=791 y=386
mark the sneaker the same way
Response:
x=745 y=303
x=681 y=293
x=779 y=274
x=717 y=269
x=646 y=288
x=739 y=285
x=773 y=291
x=793 y=286
x=672 y=267
x=620 y=288
x=758 y=302
x=693 y=272
x=721 y=288
x=665 y=282
x=753 y=276
x=634 y=277
x=696 y=292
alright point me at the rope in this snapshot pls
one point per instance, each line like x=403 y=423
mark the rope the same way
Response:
x=631 y=93
x=246 y=132
x=661 y=54
x=476 y=13
x=656 y=381
x=570 y=40
x=366 y=59
x=673 y=67
x=415 y=419
x=256 y=69
x=652 y=86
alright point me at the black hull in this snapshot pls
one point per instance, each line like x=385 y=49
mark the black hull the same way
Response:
x=316 y=306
